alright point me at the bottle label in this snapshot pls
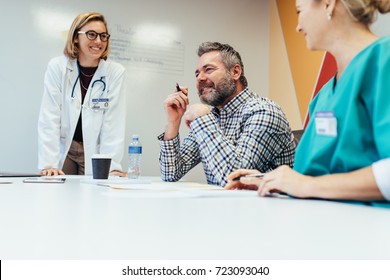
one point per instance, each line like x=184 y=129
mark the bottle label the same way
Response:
x=135 y=150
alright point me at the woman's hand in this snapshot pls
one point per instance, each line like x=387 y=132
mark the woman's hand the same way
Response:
x=118 y=173
x=51 y=172
x=284 y=180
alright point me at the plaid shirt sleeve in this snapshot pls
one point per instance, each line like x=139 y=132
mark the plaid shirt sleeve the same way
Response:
x=176 y=160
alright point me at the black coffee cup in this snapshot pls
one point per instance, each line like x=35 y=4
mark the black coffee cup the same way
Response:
x=101 y=164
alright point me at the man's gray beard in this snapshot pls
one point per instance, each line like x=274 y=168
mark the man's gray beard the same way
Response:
x=222 y=91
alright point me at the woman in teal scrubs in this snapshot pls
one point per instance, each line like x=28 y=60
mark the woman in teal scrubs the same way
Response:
x=349 y=126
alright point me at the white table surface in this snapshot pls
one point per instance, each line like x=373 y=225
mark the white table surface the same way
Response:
x=86 y=221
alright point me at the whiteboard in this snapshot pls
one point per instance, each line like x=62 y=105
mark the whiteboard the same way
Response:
x=156 y=40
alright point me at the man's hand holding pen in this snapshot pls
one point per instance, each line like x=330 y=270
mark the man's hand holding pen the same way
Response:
x=193 y=111
x=176 y=103
x=252 y=179
x=175 y=106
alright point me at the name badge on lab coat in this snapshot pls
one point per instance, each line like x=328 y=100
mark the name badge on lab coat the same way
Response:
x=100 y=103
x=326 y=124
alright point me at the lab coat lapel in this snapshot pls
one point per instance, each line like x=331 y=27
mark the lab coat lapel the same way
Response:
x=73 y=74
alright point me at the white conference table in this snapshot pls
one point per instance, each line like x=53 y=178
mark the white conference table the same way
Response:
x=82 y=220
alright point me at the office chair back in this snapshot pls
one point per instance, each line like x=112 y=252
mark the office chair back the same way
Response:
x=297 y=135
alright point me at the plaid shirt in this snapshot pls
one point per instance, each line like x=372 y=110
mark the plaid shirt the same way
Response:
x=249 y=132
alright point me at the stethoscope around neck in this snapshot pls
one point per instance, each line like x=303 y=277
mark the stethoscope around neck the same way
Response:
x=101 y=80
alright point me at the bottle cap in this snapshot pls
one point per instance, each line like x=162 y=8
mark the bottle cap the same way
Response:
x=135 y=137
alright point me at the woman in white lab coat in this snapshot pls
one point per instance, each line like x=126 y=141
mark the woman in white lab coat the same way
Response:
x=83 y=105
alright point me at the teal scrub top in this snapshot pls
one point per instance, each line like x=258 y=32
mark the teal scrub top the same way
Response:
x=349 y=125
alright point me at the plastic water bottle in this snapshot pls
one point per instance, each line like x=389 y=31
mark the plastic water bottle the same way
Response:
x=135 y=154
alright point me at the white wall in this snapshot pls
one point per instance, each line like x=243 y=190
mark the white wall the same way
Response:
x=34 y=31
x=381 y=25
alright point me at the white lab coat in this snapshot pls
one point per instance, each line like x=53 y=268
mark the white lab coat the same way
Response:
x=103 y=130
x=382 y=176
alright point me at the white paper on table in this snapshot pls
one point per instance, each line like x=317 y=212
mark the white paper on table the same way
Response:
x=177 y=189
x=158 y=186
x=114 y=180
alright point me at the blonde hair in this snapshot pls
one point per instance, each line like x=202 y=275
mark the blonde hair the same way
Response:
x=365 y=11
x=72 y=49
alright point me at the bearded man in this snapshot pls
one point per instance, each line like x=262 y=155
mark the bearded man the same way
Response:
x=233 y=128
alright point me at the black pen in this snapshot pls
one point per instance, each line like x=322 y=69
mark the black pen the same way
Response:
x=256 y=175
x=178 y=88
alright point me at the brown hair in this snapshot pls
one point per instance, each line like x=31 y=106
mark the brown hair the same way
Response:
x=230 y=56
x=72 y=48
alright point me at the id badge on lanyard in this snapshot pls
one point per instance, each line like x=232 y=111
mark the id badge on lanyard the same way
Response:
x=326 y=124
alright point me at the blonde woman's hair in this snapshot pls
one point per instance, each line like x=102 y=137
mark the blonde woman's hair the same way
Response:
x=72 y=49
x=365 y=11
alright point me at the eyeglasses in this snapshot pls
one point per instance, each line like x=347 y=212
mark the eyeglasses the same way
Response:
x=92 y=35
